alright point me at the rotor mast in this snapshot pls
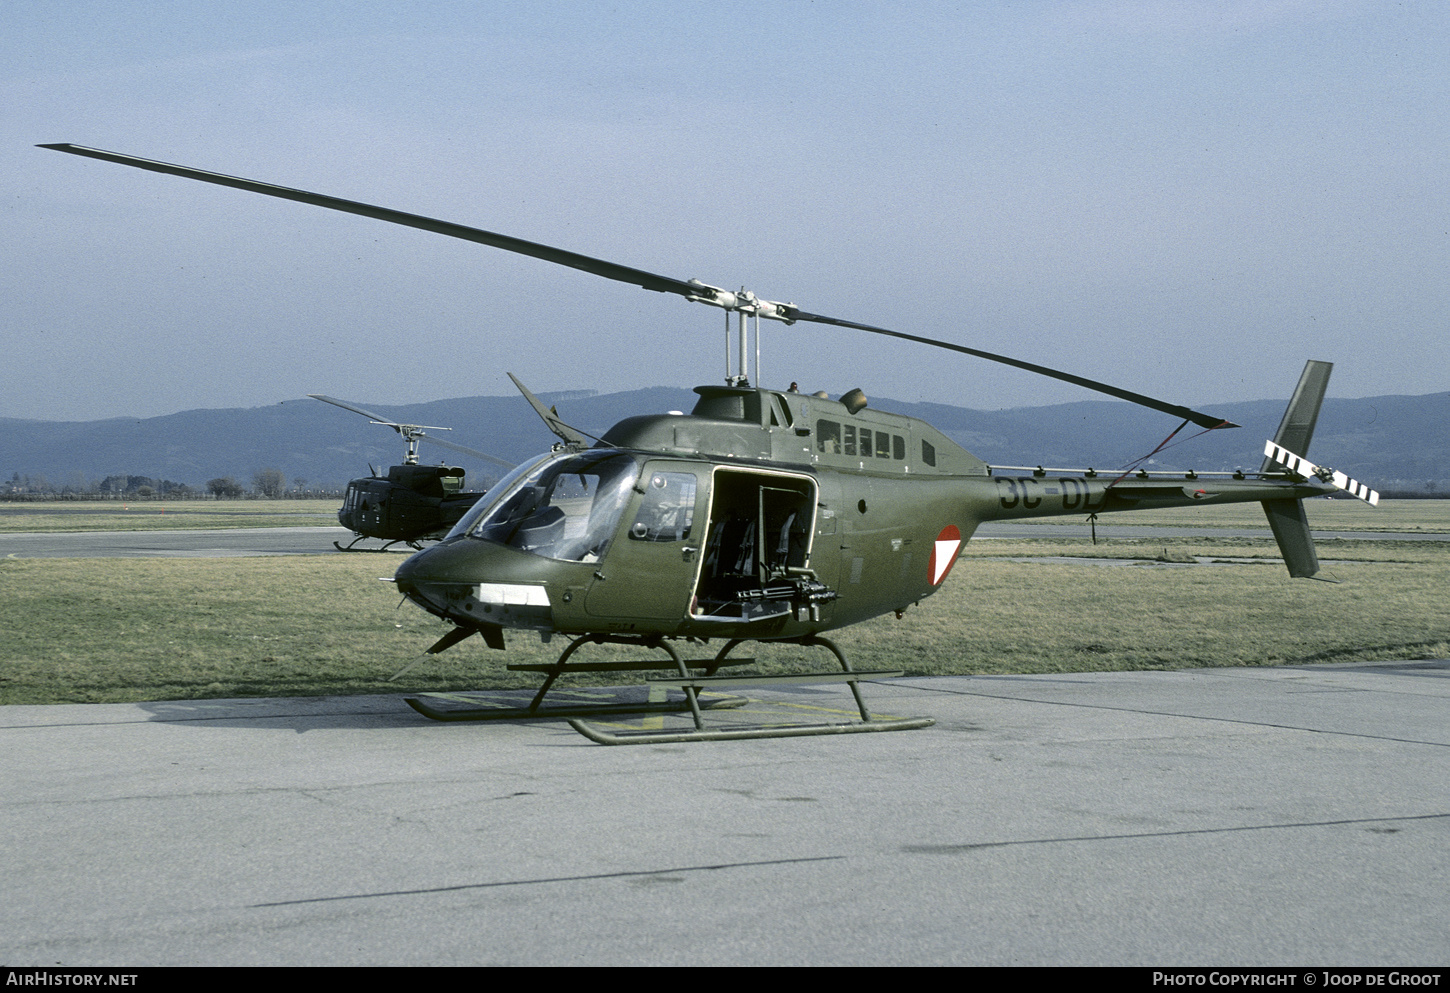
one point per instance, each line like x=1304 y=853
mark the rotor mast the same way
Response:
x=742 y=378
x=745 y=304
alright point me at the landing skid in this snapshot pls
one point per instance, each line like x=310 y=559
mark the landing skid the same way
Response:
x=692 y=685
x=415 y=546
x=429 y=707
x=697 y=698
x=603 y=737
x=656 y=703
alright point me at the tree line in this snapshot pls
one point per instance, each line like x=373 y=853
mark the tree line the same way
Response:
x=269 y=483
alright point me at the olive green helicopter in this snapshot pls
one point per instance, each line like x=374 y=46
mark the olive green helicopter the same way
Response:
x=762 y=515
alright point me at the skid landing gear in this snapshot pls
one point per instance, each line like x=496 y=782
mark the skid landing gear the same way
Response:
x=692 y=685
x=435 y=705
x=415 y=546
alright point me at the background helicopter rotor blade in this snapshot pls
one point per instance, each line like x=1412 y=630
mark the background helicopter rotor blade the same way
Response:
x=352 y=407
x=693 y=290
x=411 y=431
x=406 y=430
x=464 y=450
x=570 y=434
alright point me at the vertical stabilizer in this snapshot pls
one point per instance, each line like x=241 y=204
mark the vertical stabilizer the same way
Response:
x=1296 y=430
x=1291 y=531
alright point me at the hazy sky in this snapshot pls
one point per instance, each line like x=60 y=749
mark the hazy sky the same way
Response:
x=1187 y=199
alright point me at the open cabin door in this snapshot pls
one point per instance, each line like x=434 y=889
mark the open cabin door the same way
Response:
x=758 y=547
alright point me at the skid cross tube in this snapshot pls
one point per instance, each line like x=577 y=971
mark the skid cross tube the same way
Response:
x=851 y=678
x=693 y=684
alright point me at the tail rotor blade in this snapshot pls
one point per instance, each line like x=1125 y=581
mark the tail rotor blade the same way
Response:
x=1335 y=478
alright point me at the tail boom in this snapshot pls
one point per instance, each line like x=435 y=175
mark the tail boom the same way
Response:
x=1281 y=485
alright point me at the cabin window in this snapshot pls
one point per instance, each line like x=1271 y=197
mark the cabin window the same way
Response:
x=928 y=452
x=833 y=439
x=828 y=437
x=667 y=510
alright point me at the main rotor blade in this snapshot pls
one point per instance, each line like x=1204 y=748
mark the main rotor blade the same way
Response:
x=609 y=270
x=464 y=450
x=352 y=407
x=1201 y=419
x=599 y=267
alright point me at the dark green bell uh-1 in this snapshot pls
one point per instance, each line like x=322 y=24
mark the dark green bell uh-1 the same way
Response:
x=763 y=515
x=412 y=503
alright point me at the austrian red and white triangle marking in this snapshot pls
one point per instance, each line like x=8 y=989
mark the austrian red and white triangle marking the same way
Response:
x=944 y=553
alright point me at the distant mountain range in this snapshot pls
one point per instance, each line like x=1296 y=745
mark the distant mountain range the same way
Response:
x=1391 y=442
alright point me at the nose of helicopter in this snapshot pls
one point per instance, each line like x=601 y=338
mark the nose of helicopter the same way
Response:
x=438 y=564
x=476 y=582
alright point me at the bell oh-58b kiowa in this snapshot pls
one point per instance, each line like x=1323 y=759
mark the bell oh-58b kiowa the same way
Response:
x=764 y=515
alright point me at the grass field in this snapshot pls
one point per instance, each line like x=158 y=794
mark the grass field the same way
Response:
x=165 y=515
x=111 y=515
x=91 y=630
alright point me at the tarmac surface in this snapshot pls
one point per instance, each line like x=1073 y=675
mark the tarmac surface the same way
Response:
x=1287 y=817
